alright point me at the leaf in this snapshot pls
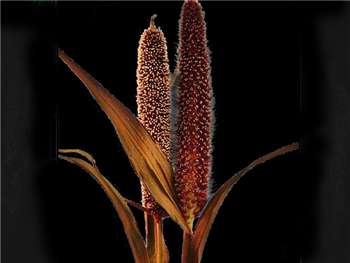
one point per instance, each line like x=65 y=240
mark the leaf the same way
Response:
x=131 y=229
x=156 y=247
x=80 y=152
x=146 y=157
x=209 y=213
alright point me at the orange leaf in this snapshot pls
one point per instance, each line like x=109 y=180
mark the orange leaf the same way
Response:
x=146 y=157
x=131 y=229
x=209 y=213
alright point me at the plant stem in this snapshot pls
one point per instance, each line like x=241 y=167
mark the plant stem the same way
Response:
x=156 y=246
x=188 y=255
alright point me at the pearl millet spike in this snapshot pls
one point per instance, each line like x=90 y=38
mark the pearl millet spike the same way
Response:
x=153 y=96
x=194 y=118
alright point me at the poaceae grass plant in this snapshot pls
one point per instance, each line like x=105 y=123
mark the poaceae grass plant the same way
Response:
x=168 y=142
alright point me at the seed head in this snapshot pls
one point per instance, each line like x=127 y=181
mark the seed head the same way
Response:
x=194 y=120
x=153 y=95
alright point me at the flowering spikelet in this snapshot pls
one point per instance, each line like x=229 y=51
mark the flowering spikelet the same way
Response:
x=153 y=95
x=194 y=120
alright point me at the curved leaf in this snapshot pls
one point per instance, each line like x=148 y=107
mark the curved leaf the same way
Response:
x=146 y=157
x=209 y=213
x=80 y=152
x=131 y=229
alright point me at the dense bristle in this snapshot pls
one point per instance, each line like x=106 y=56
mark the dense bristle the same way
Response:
x=153 y=95
x=194 y=118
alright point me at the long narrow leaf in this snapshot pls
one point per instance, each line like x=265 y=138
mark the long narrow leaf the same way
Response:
x=209 y=213
x=146 y=157
x=131 y=229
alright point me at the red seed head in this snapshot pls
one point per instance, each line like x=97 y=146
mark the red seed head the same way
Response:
x=153 y=95
x=194 y=120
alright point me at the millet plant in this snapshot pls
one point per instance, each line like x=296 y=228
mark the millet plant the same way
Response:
x=169 y=142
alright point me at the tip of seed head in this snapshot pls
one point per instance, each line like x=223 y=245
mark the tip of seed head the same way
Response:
x=152 y=23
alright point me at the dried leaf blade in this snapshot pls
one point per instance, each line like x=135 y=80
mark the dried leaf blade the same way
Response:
x=145 y=156
x=211 y=210
x=131 y=229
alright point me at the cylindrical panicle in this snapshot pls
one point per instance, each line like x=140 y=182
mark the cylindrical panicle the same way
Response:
x=194 y=120
x=153 y=95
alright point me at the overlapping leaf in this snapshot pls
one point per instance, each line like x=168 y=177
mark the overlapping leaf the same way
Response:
x=146 y=157
x=131 y=229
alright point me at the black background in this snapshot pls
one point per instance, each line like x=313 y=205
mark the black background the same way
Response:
x=279 y=74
